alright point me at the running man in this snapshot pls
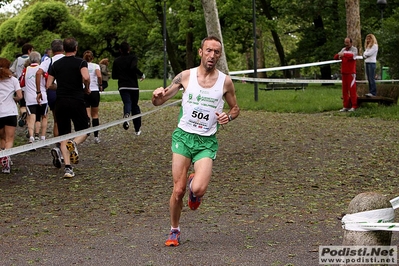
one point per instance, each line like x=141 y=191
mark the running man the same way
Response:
x=194 y=140
x=72 y=74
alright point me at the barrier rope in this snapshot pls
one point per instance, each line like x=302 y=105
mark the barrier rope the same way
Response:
x=39 y=144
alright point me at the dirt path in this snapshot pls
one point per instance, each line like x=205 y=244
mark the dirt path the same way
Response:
x=280 y=182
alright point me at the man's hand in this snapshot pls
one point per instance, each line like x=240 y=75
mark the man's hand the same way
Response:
x=159 y=92
x=39 y=98
x=157 y=96
x=223 y=118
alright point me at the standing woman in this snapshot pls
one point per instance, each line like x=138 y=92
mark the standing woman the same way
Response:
x=92 y=100
x=370 y=56
x=104 y=72
x=8 y=111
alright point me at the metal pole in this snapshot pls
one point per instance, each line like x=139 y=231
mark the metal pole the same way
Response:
x=255 y=50
x=165 y=61
x=382 y=59
x=381 y=5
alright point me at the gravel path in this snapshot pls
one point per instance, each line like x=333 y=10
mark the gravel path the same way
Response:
x=280 y=184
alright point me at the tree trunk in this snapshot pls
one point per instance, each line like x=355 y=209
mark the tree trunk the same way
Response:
x=353 y=31
x=260 y=54
x=190 y=54
x=325 y=70
x=213 y=28
x=279 y=47
x=174 y=62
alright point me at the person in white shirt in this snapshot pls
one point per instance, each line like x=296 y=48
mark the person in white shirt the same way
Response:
x=37 y=111
x=57 y=49
x=9 y=86
x=194 y=141
x=92 y=100
x=17 y=68
x=370 y=55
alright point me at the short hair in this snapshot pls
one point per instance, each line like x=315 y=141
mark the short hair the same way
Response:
x=70 y=44
x=88 y=56
x=57 y=46
x=34 y=57
x=26 y=48
x=209 y=38
x=124 y=47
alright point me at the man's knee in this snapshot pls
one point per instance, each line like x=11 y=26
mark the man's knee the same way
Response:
x=179 y=192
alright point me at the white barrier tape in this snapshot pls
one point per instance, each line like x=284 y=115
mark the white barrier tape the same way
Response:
x=331 y=81
x=372 y=227
x=284 y=67
x=117 y=92
x=306 y=81
x=39 y=144
x=368 y=220
x=395 y=203
x=288 y=67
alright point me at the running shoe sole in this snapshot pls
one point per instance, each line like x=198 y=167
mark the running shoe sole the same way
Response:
x=69 y=174
x=74 y=155
x=22 y=119
x=56 y=158
x=125 y=125
x=5 y=163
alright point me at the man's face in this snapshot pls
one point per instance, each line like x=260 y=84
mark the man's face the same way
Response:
x=347 y=43
x=210 y=53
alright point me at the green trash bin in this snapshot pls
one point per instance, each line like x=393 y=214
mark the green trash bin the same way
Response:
x=385 y=74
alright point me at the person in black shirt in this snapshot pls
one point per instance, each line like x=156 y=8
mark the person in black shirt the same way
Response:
x=70 y=72
x=126 y=72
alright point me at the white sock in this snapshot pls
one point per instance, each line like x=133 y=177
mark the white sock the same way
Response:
x=173 y=228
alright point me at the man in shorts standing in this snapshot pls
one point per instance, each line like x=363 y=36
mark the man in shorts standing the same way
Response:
x=70 y=72
x=194 y=140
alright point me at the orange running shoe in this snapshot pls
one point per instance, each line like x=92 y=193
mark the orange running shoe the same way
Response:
x=173 y=239
x=193 y=202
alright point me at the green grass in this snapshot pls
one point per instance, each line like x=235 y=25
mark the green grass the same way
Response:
x=314 y=99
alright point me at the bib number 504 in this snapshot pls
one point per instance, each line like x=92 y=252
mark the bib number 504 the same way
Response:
x=200 y=115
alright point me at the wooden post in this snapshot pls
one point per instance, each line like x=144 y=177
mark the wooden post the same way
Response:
x=366 y=202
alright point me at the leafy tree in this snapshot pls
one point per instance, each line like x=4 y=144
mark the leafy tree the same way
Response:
x=388 y=42
x=38 y=24
x=4 y=2
x=288 y=32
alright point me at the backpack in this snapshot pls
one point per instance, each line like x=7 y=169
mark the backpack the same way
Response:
x=22 y=78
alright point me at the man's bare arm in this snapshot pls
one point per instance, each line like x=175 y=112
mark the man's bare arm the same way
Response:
x=161 y=94
x=230 y=97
